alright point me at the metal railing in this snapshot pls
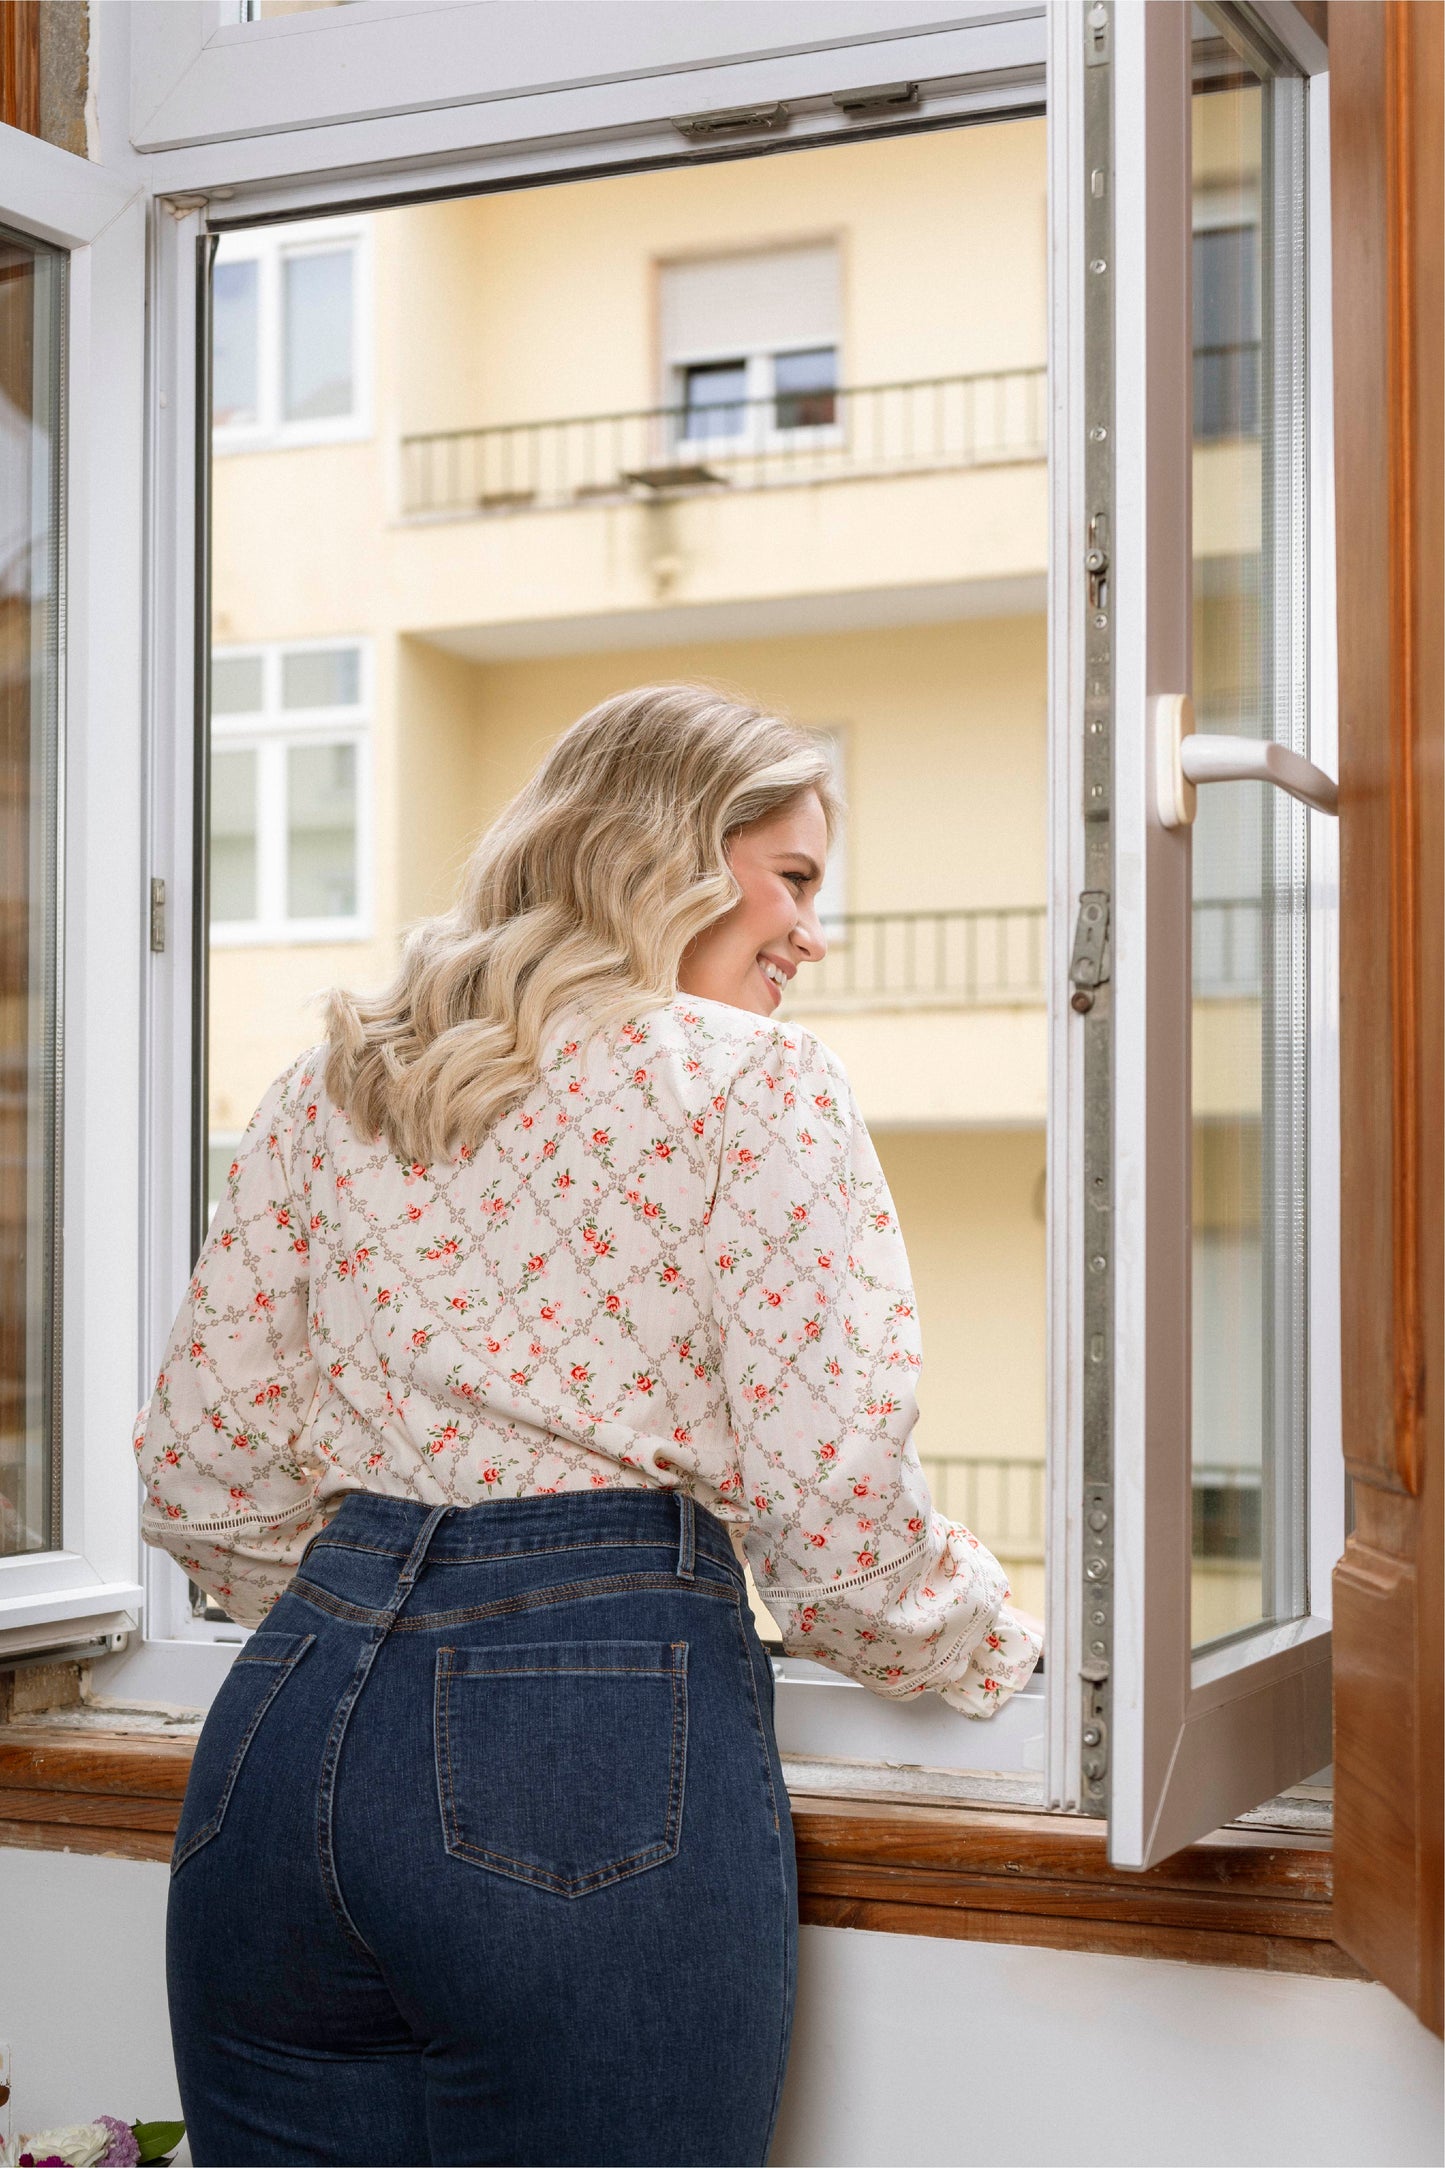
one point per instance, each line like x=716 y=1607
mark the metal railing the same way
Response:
x=995 y=959
x=923 y=425
x=999 y=1501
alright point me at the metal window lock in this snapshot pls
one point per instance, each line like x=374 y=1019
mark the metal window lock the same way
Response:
x=730 y=120
x=1089 y=964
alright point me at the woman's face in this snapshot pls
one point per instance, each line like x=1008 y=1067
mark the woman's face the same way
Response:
x=749 y=955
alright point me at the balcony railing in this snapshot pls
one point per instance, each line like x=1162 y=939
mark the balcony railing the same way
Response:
x=1003 y=1503
x=925 y=425
x=1000 y=1501
x=995 y=959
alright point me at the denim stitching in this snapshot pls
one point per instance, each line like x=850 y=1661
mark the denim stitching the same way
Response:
x=326 y=1798
x=567 y=1591
x=758 y=1718
x=335 y=1738
x=653 y=1855
x=285 y=1665
x=727 y=1563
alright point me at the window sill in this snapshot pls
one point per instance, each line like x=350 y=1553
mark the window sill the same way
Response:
x=1251 y=1898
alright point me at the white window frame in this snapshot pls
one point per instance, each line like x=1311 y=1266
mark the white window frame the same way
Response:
x=270 y=733
x=270 y=249
x=90 y=1587
x=1197 y=1736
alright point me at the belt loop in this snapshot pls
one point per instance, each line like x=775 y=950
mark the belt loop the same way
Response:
x=687 y=1536
x=416 y=1558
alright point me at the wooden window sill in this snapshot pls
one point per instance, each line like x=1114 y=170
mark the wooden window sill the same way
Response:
x=1254 y=1898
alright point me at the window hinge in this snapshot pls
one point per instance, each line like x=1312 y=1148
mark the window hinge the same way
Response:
x=1089 y=964
x=729 y=120
x=158 y=917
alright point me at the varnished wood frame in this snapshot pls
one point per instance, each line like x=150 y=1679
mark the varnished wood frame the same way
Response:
x=20 y=65
x=1246 y=1898
x=1387 y=125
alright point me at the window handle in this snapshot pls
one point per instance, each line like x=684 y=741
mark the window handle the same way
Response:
x=1183 y=759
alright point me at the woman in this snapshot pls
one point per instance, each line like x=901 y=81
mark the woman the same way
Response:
x=558 y=1280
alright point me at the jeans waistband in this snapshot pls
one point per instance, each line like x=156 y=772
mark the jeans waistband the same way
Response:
x=513 y=1527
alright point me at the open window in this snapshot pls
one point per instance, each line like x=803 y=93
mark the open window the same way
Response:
x=72 y=303
x=1093 y=1034
x=1211 y=1499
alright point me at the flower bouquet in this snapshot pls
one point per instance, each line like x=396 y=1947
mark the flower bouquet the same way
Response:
x=105 y=2143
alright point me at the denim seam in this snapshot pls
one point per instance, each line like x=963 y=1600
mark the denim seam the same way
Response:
x=326 y=1798
x=285 y=1665
x=505 y=1606
x=758 y=1719
x=518 y=1870
x=726 y=1564
x=335 y=1738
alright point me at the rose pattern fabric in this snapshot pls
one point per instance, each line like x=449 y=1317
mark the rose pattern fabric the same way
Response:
x=675 y=1263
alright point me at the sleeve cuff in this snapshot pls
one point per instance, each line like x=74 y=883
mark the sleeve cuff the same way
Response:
x=1000 y=1664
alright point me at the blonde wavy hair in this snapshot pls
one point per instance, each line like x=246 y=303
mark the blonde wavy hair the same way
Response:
x=580 y=899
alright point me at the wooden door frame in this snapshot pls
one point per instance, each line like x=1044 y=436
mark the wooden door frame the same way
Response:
x=1386 y=130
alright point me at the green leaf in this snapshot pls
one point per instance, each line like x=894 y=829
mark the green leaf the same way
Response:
x=156 y=2140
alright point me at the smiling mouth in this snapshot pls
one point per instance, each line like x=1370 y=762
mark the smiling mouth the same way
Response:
x=775 y=975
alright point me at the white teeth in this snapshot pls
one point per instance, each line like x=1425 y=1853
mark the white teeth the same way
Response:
x=771 y=971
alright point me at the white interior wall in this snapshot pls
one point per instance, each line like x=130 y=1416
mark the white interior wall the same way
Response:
x=909 y=2052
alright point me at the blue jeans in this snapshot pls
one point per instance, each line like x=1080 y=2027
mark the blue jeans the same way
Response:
x=486 y=1855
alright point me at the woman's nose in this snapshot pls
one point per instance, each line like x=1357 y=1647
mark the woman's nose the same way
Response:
x=809 y=937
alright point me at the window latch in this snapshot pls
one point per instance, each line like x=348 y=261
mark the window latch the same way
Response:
x=730 y=120
x=158 y=917
x=1089 y=964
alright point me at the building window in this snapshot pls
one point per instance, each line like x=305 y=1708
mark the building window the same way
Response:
x=290 y=732
x=1226 y=325
x=289 y=353
x=750 y=344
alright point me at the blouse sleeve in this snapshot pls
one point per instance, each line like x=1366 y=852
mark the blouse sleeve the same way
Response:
x=820 y=1353
x=230 y=1487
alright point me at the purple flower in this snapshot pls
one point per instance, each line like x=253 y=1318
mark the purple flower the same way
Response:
x=122 y=2152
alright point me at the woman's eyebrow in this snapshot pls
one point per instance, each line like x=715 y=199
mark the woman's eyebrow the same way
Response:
x=805 y=864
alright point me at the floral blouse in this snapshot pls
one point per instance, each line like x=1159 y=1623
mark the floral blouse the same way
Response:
x=675 y=1264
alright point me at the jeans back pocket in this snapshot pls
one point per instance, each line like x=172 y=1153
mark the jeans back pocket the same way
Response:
x=562 y=1764
x=261 y=1668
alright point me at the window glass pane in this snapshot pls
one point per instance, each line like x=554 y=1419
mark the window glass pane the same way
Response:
x=321 y=831
x=317 y=340
x=804 y=385
x=234 y=841
x=321 y=677
x=235 y=359
x=1226 y=330
x=715 y=399
x=236 y=685
x=31 y=328
x=1248 y=848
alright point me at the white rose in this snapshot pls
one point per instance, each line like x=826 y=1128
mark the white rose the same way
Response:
x=80 y=2144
